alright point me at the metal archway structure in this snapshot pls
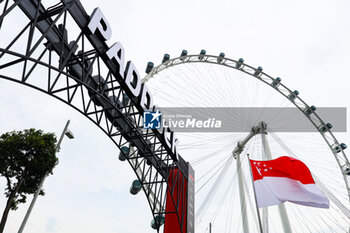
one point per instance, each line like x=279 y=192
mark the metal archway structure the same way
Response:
x=35 y=51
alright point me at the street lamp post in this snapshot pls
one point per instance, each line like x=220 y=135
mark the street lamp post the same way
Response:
x=69 y=134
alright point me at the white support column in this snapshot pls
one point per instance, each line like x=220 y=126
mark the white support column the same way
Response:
x=242 y=194
x=284 y=219
x=281 y=208
x=237 y=155
x=266 y=156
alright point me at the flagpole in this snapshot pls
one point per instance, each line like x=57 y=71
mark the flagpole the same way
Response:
x=256 y=202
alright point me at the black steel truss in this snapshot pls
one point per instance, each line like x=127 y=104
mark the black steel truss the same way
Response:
x=48 y=49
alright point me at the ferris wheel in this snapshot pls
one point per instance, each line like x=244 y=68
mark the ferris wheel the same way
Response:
x=205 y=84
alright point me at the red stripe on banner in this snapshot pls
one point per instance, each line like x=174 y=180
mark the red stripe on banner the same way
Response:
x=178 y=189
x=282 y=167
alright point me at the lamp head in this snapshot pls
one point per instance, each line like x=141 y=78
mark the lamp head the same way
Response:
x=69 y=134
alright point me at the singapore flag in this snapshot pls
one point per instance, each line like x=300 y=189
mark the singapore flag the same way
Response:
x=285 y=179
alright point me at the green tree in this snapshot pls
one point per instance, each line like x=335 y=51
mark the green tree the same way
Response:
x=25 y=157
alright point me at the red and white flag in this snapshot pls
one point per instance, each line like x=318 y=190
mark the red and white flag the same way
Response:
x=285 y=179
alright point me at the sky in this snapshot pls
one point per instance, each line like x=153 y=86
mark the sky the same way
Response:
x=304 y=42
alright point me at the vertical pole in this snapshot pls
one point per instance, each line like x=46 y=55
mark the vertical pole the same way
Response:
x=237 y=155
x=266 y=156
x=209 y=227
x=281 y=207
x=241 y=193
x=58 y=146
x=36 y=194
x=284 y=218
x=256 y=202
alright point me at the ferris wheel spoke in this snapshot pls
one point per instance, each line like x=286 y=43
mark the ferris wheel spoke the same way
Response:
x=208 y=198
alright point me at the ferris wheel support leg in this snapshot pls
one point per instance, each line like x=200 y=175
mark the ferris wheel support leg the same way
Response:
x=266 y=156
x=284 y=219
x=242 y=194
x=237 y=155
x=282 y=209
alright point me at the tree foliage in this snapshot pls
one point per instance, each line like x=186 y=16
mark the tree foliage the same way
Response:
x=25 y=158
